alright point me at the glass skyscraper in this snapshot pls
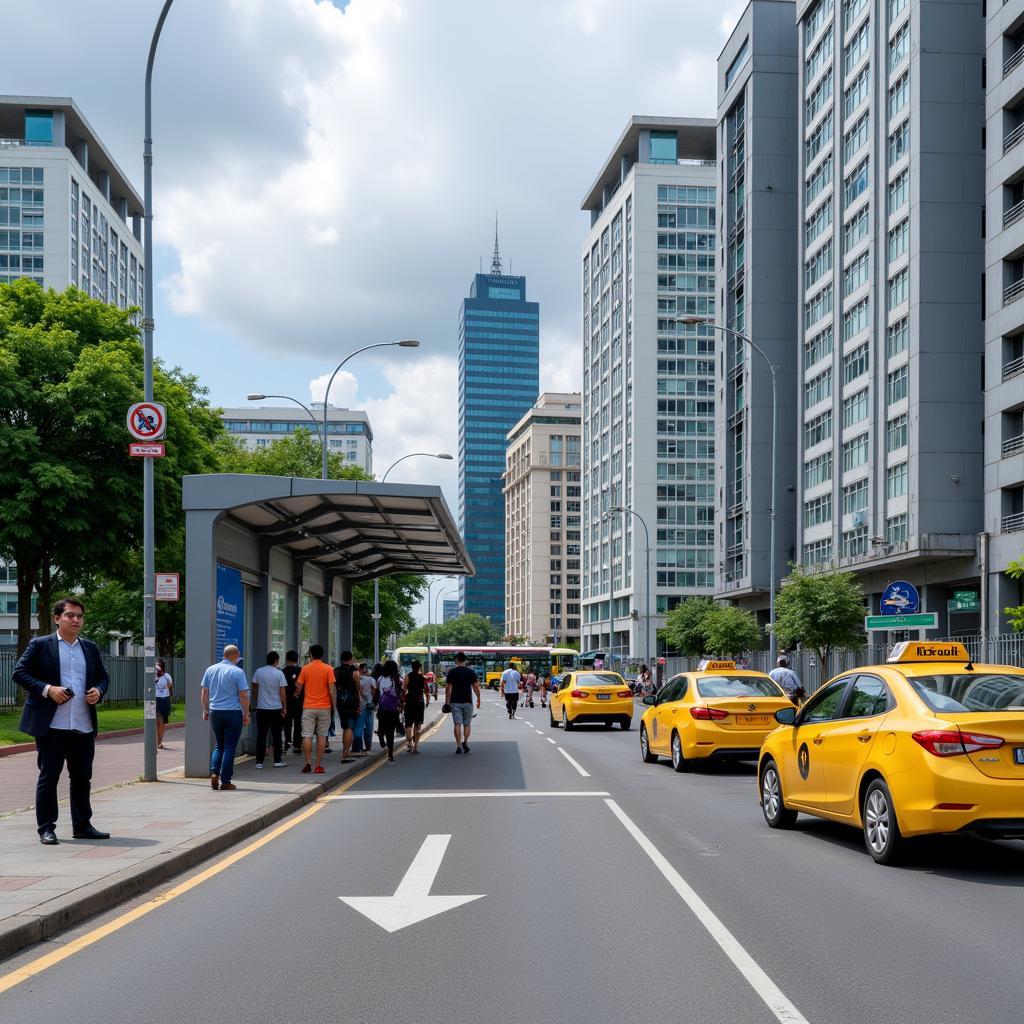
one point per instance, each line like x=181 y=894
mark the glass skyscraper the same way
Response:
x=499 y=380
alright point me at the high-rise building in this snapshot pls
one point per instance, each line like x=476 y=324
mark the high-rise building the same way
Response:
x=449 y=609
x=757 y=214
x=499 y=375
x=68 y=214
x=348 y=430
x=648 y=266
x=1004 y=324
x=542 y=521
x=891 y=108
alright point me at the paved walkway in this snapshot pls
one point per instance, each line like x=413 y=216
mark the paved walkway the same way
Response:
x=157 y=830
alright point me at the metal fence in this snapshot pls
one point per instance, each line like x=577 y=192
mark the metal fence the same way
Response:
x=126 y=679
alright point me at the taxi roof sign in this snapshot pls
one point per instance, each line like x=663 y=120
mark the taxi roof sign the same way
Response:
x=917 y=651
x=717 y=666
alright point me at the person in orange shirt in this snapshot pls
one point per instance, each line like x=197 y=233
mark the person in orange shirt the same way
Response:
x=316 y=680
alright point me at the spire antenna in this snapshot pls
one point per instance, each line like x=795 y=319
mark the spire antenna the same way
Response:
x=496 y=258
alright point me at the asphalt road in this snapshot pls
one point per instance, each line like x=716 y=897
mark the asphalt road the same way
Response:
x=641 y=895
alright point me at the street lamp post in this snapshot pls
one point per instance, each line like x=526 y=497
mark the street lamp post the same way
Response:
x=772 y=644
x=437 y=599
x=430 y=584
x=148 y=505
x=405 y=343
x=259 y=397
x=647 y=549
x=376 y=579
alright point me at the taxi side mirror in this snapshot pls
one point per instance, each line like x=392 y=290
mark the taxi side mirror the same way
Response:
x=786 y=716
x=649 y=699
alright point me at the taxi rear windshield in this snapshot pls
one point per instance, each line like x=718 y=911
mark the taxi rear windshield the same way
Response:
x=592 y=679
x=976 y=691
x=737 y=686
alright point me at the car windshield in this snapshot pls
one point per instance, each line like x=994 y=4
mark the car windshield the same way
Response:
x=593 y=679
x=737 y=686
x=974 y=691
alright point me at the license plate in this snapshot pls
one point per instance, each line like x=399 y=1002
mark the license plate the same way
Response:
x=754 y=719
x=604 y=696
x=1018 y=755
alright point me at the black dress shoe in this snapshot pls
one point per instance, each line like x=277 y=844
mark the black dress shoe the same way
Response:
x=48 y=837
x=88 y=832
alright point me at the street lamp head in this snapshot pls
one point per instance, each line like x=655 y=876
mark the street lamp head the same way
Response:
x=696 y=320
x=445 y=456
x=255 y=397
x=408 y=343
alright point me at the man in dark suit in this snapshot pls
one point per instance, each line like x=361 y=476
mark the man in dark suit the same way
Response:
x=65 y=680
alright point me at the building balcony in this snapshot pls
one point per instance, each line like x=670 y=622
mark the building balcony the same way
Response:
x=1013 y=368
x=1013 y=523
x=1013 y=61
x=1013 y=138
x=1013 y=292
x=1013 y=446
x=1013 y=214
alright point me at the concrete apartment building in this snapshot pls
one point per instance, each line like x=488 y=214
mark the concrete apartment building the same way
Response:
x=648 y=264
x=542 y=521
x=68 y=216
x=1003 y=530
x=890 y=340
x=759 y=224
x=348 y=430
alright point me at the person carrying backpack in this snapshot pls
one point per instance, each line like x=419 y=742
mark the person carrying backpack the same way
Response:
x=389 y=704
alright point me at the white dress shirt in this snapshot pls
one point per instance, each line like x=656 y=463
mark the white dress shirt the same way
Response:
x=74 y=713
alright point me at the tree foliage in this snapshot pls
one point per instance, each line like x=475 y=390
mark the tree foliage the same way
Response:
x=398 y=596
x=1015 y=613
x=684 y=626
x=820 y=610
x=470 y=630
x=698 y=628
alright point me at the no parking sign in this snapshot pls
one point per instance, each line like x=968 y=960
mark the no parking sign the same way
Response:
x=147 y=421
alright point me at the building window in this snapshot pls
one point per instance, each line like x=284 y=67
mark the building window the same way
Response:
x=818 y=552
x=899 y=94
x=896 y=435
x=817 y=347
x=736 y=66
x=818 y=471
x=897 y=337
x=39 y=127
x=855 y=319
x=855 y=542
x=857 y=227
x=663 y=147
x=818 y=429
x=818 y=510
x=819 y=57
x=856 y=48
x=818 y=139
x=820 y=263
x=855 y=408
x=856 y=92
x=899 y=288
x=856 y=182
x=855 y=497
x=897 y=385
x=818 y=222
x=896 y=529
x=899 y=47
x=896 y=480
x=818 y=388
x=855 y=363
x=856 y=137
x=851 y=8
x=855 y=452
x=816 y=18
x=821 y=177
x=898 y=191
x=855 y=275
x=899 y=237
x=819 y=96
x=819 y=306
x=899 y=143
x=896 y=8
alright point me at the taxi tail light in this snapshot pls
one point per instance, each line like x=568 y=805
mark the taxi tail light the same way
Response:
x=950 y=743
x=704 y=714
x=579 y=693
x=624 y=693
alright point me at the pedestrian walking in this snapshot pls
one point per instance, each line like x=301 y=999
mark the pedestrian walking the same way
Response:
x=415 y=698
x=315 y=686
x=510 y=680
x=164 y=692
x=346 y=683
x=64 y=678
x=788 y=680
x=375 y=674
x=225 y=697
x=270 y=698
x=363 y=734
x=460 y=686
x=542 y=686
x=389 y=703
x=644 y=681
x=531 y=684
x=293 y=720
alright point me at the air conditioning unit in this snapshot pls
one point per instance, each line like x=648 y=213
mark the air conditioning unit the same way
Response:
x=860 y=518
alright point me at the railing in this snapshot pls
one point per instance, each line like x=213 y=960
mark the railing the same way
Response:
x=1012 y=368
x=1013 y=292
x=11 y=143
x=1013 y=445
x=1013 y=138
x=1013 y=523
x=1013 y=214
x=1013 y=60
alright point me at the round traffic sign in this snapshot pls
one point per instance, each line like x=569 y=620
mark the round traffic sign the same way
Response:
x=147 y=421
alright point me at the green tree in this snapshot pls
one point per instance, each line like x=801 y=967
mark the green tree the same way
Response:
x=470 y=630
x=399 y=594
x=684 y=629
x=1015 y=613
x=820 y=610
x=729 y=630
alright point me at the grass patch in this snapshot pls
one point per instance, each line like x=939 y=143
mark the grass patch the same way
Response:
x=112 y=718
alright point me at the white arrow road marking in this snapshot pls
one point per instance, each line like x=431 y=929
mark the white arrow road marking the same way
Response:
x=412 y=901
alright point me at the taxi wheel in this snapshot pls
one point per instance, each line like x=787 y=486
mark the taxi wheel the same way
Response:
x=645 y=747
x=552 y=721
x=772 y=805
x=608 y=724
x=679 y=762
x=881 y=830
x=566 y=724
x=625 y=723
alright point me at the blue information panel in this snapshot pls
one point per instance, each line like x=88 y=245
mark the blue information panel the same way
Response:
x=900 y=598
x=230 y=617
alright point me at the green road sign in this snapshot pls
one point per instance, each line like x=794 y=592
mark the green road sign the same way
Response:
x=965 y=601
x=922 y=620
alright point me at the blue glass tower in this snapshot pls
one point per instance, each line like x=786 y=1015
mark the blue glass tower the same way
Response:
x=499 y=379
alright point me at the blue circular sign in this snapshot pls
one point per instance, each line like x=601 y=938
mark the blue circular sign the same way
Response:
x=900 y=598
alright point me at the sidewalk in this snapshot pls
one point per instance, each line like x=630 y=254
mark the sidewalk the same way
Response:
x=157 y=831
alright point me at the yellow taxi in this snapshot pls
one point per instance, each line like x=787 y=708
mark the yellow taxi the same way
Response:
x=719 y=712
x=592 y=697
x=926 y=743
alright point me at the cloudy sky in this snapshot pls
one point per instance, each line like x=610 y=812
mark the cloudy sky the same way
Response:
x=327 y=174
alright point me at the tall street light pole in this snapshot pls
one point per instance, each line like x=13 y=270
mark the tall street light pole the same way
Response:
x=259 y=397
x=406 y=343
x=376 y=579
x=772 y=644
x=647 y=548
x=148 y=507
x=437 y=599
x=430 y=584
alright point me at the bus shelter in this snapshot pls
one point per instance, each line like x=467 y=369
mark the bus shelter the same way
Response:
x=270 y=563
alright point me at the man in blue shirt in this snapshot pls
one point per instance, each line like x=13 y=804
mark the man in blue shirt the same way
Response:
x=225 y=695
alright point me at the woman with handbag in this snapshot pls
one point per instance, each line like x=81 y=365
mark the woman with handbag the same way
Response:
x=415 y=698
x=389 y=703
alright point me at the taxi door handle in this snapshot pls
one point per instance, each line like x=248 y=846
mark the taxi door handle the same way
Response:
x=864 y=737
x=818 y=740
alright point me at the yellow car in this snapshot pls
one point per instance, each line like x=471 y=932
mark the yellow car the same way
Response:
x=926 y=743
x=720 y=712
x=592 y=697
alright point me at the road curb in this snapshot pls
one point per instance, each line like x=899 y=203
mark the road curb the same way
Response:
x=63 y=912
x=24 y=748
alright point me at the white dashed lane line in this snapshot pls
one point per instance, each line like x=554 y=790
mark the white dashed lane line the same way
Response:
x=574 y=763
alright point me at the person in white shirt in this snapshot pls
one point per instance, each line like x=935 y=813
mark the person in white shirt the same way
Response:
x=164 y=693
x=271 y=708
x=788 y=680
x=510 y=680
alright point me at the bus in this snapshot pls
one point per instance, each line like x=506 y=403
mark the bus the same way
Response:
x=490 y=661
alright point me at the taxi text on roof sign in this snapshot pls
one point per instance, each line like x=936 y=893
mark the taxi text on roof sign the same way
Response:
x=910 y=651
x=717 y=666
